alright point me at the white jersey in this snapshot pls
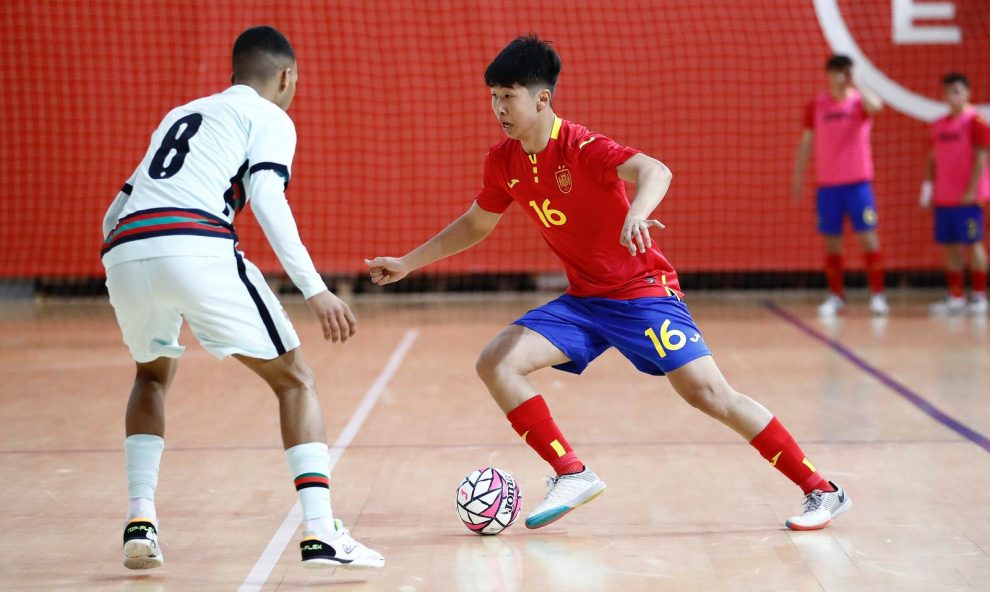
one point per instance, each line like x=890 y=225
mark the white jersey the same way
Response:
x=206 y=160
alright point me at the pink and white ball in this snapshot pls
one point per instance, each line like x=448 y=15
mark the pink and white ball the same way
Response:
x=488 y=501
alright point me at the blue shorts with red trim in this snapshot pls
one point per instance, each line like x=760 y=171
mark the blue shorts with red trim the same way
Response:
x=656 y=334
x=958 y=224
x=855 y=200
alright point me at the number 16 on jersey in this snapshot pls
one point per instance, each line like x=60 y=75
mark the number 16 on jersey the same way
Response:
x=548 y=215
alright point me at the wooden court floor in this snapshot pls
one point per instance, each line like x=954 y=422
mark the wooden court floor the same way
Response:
x=881 y=407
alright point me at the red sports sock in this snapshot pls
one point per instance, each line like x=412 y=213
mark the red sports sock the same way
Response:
x=954 y=280
x=874 y=271
x=833 y=275
x=978 y=281
x=777 y=445
x=533 y=422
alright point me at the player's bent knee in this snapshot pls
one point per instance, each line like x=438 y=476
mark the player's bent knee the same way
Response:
x=155 y=374
x=293 y=378
x=495 y=364
x=487 y=364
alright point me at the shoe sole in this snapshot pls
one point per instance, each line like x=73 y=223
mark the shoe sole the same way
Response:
x=330 y=563
x=566 y=510
x=845 y=506
x=137 y=556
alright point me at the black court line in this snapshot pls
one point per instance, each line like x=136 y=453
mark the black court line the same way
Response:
x=884 y=378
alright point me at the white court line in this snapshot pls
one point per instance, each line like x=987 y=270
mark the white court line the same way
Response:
x=280 y=540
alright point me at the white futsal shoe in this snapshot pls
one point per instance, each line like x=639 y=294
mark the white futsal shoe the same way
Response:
x=340 y=551
x=879 y=306
x=820 y=507
x=832 y=306
x=566 y=493
x=141 y=550
x=978 y=305
x=951 y=306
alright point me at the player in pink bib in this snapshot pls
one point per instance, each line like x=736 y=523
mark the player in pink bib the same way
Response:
x=837 y=124
x=957 y=183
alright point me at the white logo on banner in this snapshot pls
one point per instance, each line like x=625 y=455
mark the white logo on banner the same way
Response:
x=905 y=32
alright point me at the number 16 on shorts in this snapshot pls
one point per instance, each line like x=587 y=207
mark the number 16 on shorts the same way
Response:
x=669 y=340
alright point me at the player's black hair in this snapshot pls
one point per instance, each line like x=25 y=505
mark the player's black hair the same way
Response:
x=954 y=77
x=527 y=60
x=259 y=52
x=838 y=62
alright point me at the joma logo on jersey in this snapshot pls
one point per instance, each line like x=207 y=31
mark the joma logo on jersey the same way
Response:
x=564 y=182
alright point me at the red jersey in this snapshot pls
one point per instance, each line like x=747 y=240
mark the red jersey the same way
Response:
x=572 y=192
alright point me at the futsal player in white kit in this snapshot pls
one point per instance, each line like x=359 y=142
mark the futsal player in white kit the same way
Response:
x=170 y=253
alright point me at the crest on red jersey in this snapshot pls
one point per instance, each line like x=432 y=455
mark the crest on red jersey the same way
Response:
x=564 y=180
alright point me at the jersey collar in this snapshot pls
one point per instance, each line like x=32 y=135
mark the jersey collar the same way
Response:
x=242 y=89
x=555 y=131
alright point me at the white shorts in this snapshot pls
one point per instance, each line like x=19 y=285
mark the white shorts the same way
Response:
x=226 y=301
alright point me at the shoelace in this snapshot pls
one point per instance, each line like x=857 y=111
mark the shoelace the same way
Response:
x=339 y=526
x=814 y=500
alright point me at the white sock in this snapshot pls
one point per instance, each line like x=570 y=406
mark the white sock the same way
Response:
x=143 y=453
x=142 y=507
x=310 y=467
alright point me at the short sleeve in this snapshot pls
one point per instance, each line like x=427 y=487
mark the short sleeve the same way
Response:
x=980 y=132
x=599 y=156
x=272 y=144
x=809 y=116
x=493 y=196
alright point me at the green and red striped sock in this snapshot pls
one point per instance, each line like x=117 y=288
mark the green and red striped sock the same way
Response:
x=310 y=467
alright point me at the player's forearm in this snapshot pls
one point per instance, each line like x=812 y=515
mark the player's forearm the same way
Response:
x=979 y=165
x=652 y=183
x=929 y=172
x=272 y=211
x=801 y=158
x=872 y=102
x=460 y=235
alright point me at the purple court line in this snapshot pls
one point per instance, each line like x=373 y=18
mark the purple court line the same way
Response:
x=913 y=397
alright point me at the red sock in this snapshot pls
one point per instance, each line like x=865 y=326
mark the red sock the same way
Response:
x=978 y=281
x=954 y=280
x=777 y=445
x=833 y=275
x=874 y=271
x=532 y=421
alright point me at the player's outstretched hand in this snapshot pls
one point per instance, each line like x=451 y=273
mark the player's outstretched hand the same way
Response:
x=335 y=316
x=386 y=270
x=636 y=234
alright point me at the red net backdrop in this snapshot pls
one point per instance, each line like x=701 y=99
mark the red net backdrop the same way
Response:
x=394 y=119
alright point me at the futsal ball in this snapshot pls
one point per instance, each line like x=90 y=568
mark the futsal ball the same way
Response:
x=488 y=501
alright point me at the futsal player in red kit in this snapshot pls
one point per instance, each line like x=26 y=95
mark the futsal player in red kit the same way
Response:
x=623 y=292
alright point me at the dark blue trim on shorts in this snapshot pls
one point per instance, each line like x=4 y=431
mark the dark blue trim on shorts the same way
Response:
x=280 y=169
x=266 y=316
